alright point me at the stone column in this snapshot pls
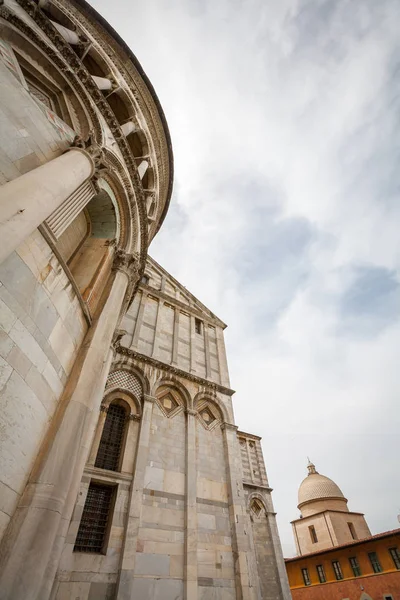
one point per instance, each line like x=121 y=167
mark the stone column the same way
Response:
x=207 y=350
x=157 y=327
x=128 y=555
x=190 y=573
x=32 y=547
x=139 y=319
x=97 y=436
x=192 y=345
x=246 y=588
x=175 y=336
x=25 y=202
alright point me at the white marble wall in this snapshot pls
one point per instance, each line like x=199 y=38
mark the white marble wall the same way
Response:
x=41 y=329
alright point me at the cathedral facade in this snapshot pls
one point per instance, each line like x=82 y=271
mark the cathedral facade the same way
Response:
x=122 y=472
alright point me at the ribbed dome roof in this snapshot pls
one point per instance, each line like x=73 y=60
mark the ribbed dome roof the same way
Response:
x=318 y=487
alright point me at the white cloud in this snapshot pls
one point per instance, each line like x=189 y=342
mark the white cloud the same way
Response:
x=284 y=125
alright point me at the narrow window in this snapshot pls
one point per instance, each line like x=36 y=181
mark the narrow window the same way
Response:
x=109 y=452
x=374 y=560
x=145 y=279
x=338 y=570
x=355 y=566
x=313 y=534
x=197 y=325
x=321 y=574
x=352 y=531
x=395 y=554
x=306 y=577
x=95 y=518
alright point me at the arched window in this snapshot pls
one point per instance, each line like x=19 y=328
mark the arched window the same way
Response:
x=112 y=439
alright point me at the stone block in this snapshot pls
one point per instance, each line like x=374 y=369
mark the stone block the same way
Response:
x=62 y=344
x=23 y=420
x=5 y=372
x=101 y=591
x=22 y=338
x=42 y=390
x=19 y=361
x=206 y=521
x=6 y=343
x=19 y=280
x=7 y=317
x=152 y=564
x=168 y=589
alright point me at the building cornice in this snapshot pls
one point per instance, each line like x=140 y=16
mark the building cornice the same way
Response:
x=173 y=370
x=328 y=510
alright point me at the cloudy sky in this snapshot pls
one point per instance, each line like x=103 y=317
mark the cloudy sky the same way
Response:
x=285 y=221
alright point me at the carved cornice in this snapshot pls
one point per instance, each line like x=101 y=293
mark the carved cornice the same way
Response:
x=142 y=92
x=211 y=385
x=229 y=427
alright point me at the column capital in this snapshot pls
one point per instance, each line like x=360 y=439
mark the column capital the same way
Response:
x=127 y=263
x=148 y=398
x=134 y=417
x=90 y=147
x=190 y=411
x=229 y=427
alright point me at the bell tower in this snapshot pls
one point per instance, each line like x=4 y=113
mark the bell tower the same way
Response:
x=325 y=520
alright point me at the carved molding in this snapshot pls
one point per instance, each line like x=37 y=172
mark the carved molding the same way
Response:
x=81 y=81
x=148 y=398
x=139 y=91
x=211 y=385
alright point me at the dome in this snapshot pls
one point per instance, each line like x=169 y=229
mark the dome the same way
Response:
x=318 y=487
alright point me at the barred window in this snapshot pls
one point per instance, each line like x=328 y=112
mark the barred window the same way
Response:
x=395 y=554
x=95 y=518
x=321 y=574
x=374 y=560
x=355 y=566
x=112 y=439
x=337 y=569
x=306 y=577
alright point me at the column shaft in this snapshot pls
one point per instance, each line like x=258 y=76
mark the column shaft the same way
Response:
x=35 y=538
x=190 y=572
x=25 y=202
x=126 y=574
x=246 y=588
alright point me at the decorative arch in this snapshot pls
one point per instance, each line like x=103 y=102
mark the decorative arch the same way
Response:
x=121 y=396
x=170 y=400
x=258 y=498
x=124 y=380
x=207 y=396
x=121 y=364
x=173 y=384
x=208 y=412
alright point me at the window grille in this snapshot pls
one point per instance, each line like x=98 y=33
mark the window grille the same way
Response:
x=306 y=577
x=321 y=574
x=374 y=560
x=337 y=569
x=126 y=381
x=112 y=438
x=95 y=518
x=355 y=566
x=395 y=554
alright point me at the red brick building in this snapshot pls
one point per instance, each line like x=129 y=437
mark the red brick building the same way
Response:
x=367 y=569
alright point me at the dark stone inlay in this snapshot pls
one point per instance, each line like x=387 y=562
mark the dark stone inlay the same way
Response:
x=159 y=494
x=212 y=502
